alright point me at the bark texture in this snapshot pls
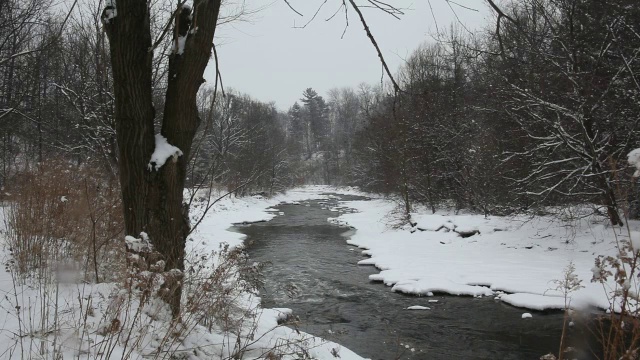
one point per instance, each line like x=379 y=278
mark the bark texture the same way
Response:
x=153 y=197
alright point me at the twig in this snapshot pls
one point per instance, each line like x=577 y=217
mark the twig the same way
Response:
x=291 y=7
x=396 y=87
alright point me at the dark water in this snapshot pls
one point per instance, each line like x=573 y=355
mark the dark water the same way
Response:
x=314 y=272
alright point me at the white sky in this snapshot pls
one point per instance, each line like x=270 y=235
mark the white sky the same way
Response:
x=271 y=60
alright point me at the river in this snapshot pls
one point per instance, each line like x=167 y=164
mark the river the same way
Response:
x=314 y=272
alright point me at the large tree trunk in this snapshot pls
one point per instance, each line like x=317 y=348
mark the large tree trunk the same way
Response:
x=153 y=198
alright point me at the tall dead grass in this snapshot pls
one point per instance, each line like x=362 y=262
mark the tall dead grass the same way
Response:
x=64 y=231
x=67 y=218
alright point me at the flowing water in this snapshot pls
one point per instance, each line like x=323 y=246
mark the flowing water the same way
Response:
x=315 y=273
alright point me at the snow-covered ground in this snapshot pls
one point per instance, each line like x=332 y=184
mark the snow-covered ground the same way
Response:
x=90 y=321
x=516 y=259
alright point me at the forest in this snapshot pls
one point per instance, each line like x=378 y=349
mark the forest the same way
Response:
x=540 y=113
x=107 y=136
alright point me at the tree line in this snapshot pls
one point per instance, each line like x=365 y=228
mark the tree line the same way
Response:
x=57 y=101
x=537 y=110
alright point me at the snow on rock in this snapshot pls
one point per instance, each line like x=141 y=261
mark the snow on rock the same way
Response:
x=634 y=160
x=428 y=285
x=418 y=307
x=138 y=244
x=162 y=153
x=282 y=314
x=526 y=316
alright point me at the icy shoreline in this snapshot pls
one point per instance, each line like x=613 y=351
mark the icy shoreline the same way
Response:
x=81 y=325
x=516 y=260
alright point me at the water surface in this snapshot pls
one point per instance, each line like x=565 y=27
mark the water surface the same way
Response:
x=315 y=273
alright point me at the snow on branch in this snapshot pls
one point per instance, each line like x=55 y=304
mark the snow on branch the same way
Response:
x=183 y=28
x=138 y=245
x=162 y=153
x=110 y=11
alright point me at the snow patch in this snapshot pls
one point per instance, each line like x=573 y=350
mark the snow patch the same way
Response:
x=162 y=153
x=634 y=160
x=516 y=255
x=534 y=301
x=180 y=42
x=110 y=11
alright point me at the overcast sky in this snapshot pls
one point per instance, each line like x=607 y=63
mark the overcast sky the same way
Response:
x=271 y=60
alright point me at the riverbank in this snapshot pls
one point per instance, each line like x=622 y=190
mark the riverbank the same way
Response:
x=313 y=271
x=74 y=319
x=514 y=259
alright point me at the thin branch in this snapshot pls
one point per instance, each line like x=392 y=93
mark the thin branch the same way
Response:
x=375 y=44
x=313 y=17
x=218 y=74
x=462 y=6
x=434 y=17
x=458 y=19
x=291 y=7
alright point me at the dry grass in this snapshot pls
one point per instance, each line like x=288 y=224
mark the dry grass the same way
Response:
x=66 y=218
x=64 y=231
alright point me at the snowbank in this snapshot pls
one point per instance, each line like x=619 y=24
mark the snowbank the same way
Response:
x=90 y=318
x=516 y=255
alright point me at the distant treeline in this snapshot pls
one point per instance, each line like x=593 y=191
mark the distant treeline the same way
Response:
x=538 y=109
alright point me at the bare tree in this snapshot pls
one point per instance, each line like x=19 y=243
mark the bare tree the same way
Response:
x=153 y=193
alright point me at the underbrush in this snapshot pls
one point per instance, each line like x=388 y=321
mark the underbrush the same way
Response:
x=221 y=318
x=619 y=329
x=70 y=289
x=66 y=219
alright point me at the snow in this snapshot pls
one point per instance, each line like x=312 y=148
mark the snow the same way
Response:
x=87 y=320
x=634 y=160
x=162 y=153
x=110 y=11
x=138 y=244
x=527 y=316
x=513 y=259
x=182 y=40
x=519 y=255
x=534 y=301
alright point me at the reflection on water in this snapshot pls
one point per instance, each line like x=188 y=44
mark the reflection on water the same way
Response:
x=314 y=272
